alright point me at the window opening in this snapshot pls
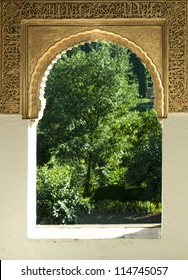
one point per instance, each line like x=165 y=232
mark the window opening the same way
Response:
x=99 y=141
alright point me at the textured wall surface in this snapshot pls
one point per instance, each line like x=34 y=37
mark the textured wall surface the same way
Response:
x=147 y=38
x=13 y=12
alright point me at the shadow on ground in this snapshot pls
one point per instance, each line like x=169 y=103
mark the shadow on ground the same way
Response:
x=97 y=217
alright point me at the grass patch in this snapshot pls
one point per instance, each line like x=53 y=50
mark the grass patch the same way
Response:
x=140 y=207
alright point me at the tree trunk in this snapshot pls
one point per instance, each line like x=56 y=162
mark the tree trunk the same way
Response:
x=88 y=177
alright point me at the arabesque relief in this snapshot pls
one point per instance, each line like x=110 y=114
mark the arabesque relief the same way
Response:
x=13 y=12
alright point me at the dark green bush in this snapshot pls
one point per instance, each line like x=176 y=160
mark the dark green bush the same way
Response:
x=119 y=193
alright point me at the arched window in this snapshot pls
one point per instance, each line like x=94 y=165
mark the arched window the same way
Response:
x=35 y=99
x=37 y=105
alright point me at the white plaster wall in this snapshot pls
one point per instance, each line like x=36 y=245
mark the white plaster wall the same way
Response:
x=14 y=243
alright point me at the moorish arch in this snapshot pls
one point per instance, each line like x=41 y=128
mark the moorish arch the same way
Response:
x=36 y=100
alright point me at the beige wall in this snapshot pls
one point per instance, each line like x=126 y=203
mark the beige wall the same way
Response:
x=14 y=243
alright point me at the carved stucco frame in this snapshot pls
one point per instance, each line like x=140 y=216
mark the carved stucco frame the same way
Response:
x=33 y=101
x=13 y=12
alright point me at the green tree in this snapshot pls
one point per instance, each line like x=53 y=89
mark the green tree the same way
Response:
x=86 y=92
x=142 y=75
x=144 y=158
x=96 y=136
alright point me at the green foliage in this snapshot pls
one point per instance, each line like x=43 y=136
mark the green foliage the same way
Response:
x=119 y=193
x=105 y=138
x=116 y=206
x=86 y=92
x=144 y=159
x=142 y=75
x=58 y=200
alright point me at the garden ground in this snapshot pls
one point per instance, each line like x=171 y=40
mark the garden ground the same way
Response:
x=96 y=217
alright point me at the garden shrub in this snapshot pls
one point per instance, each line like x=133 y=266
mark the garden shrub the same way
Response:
x=58 y=200
x=115 y=192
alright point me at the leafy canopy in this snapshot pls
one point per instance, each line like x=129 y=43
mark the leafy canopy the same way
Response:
x=97 y=128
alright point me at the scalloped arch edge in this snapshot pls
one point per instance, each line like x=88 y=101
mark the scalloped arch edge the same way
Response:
x=36 y=100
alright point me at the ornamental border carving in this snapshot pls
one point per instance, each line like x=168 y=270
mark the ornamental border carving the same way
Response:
x=13 y=12
x=35 y=98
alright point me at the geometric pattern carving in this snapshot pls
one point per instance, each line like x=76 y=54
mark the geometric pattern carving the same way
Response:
x=12 y=12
